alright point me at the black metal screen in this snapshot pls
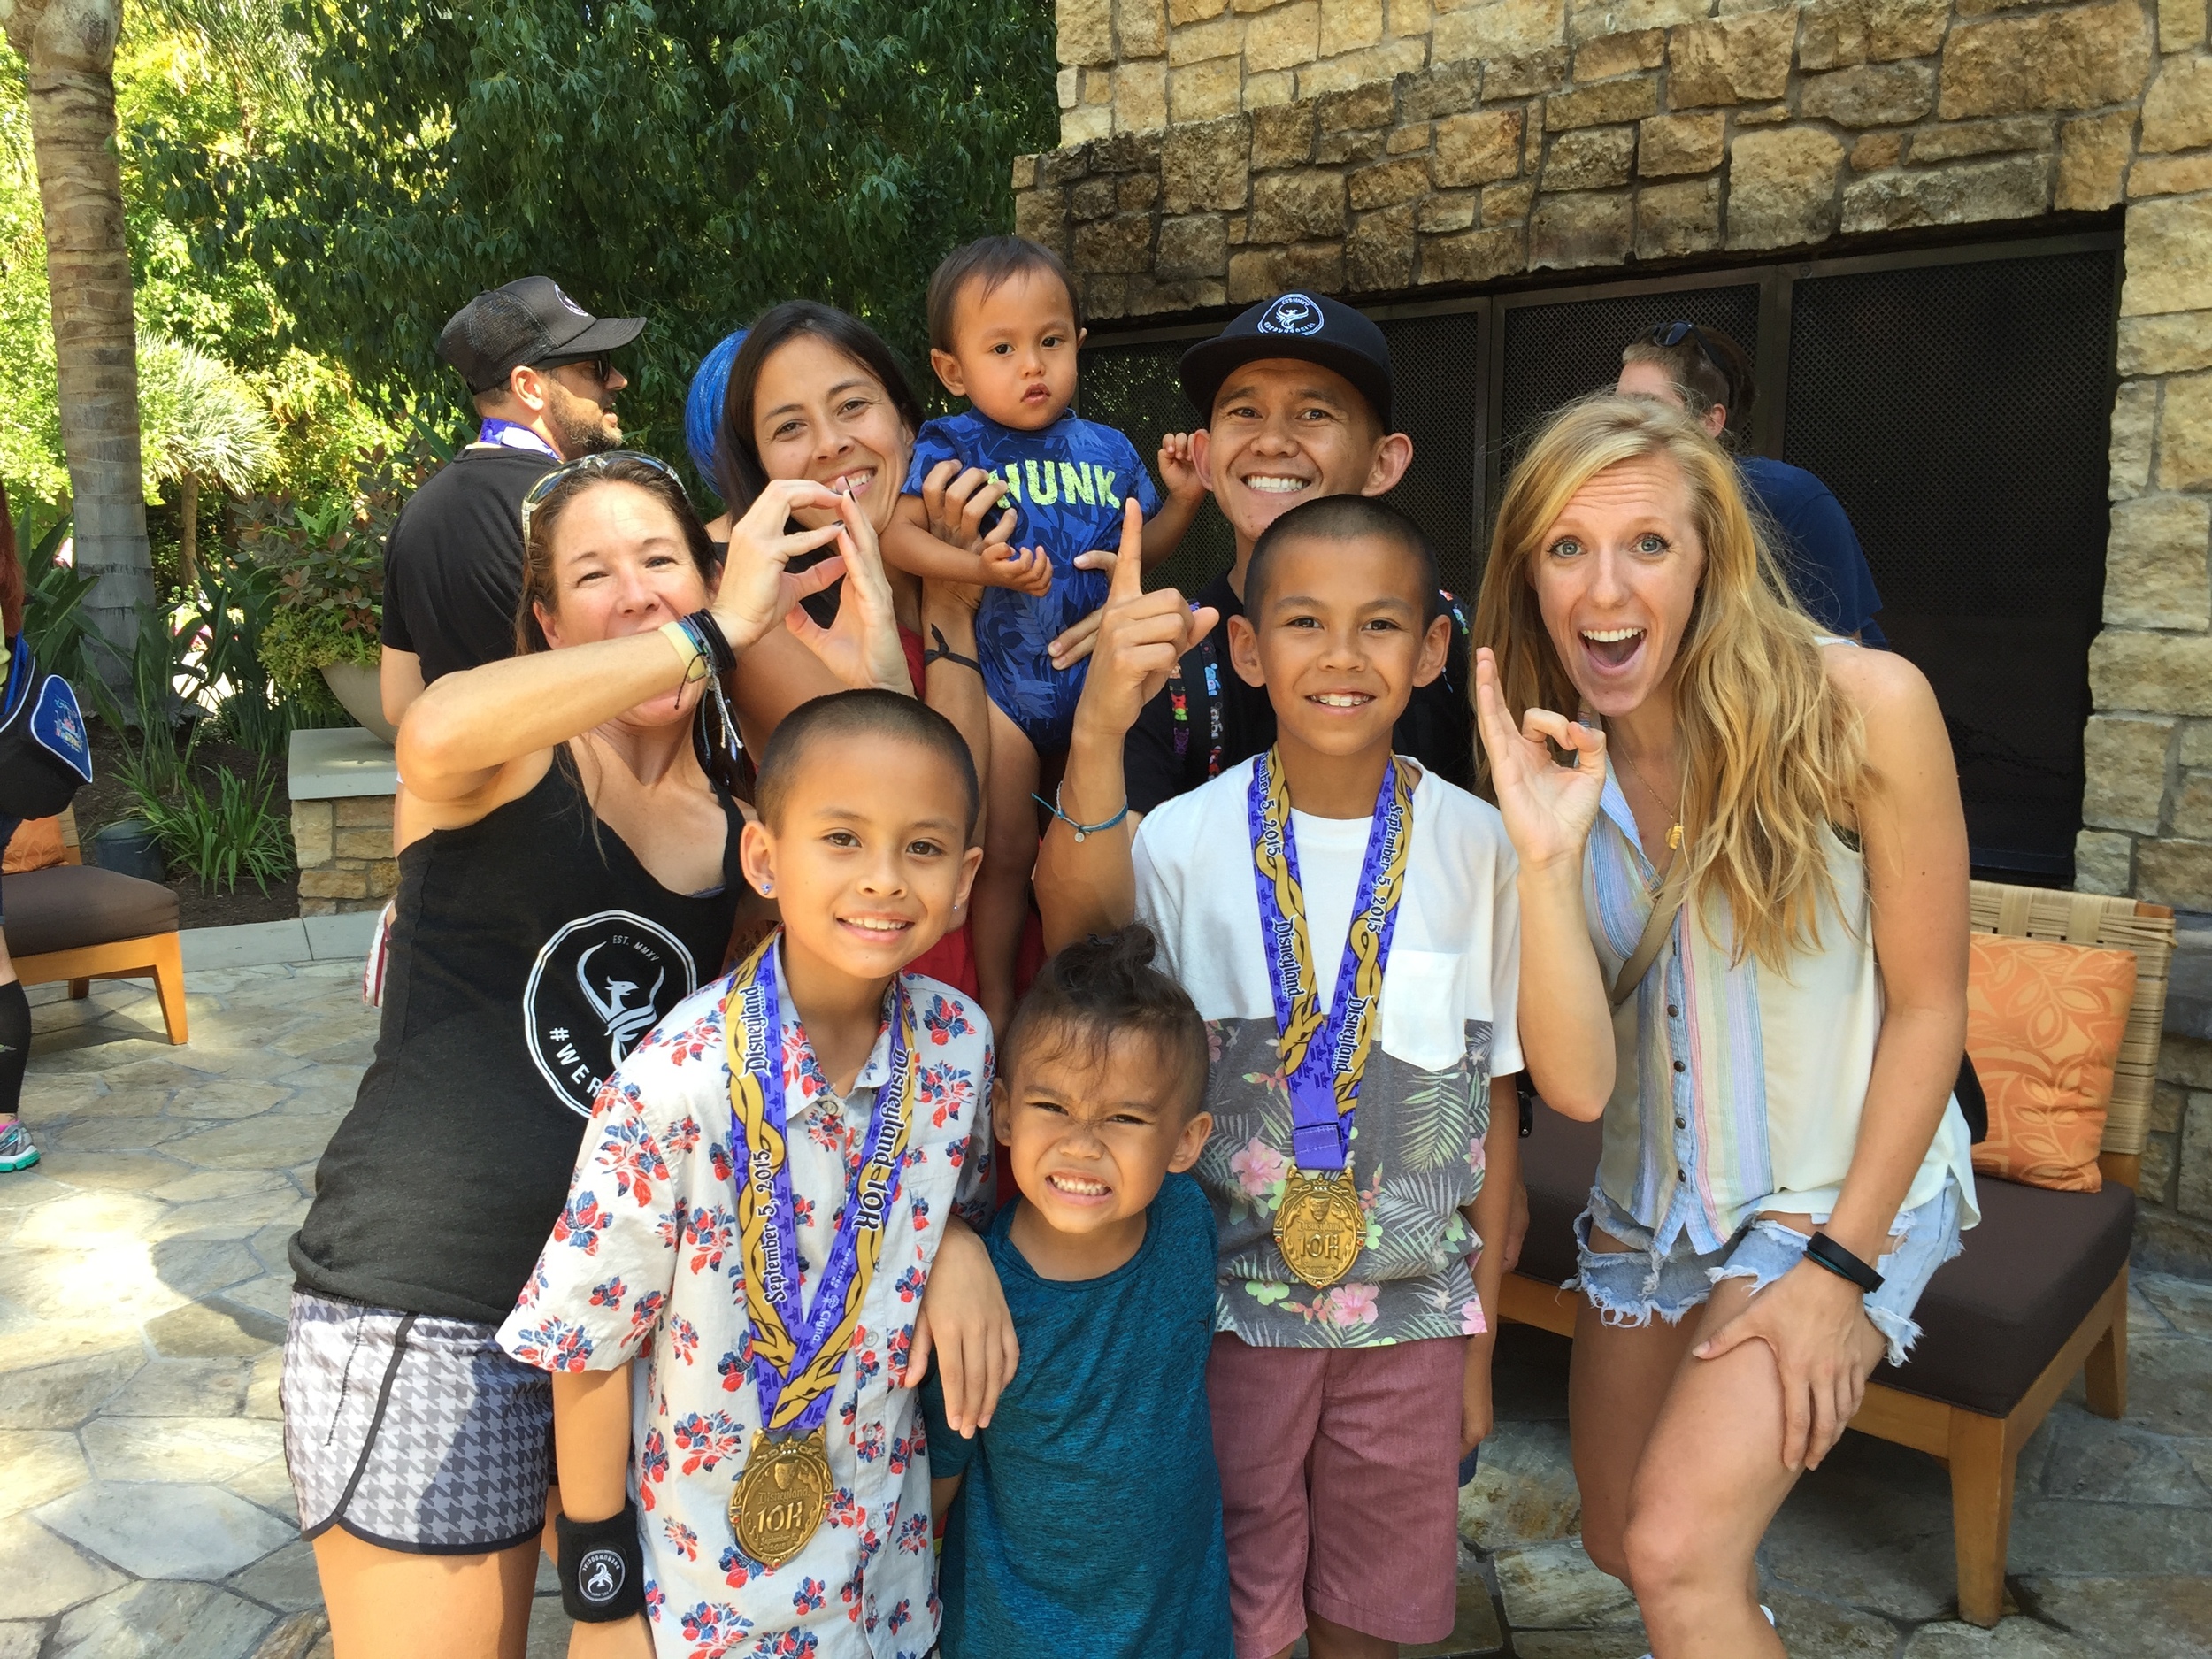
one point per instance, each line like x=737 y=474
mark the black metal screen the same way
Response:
x=1957 y=402
x=1556 y=353
x=1960 y=414
x=1437 y=364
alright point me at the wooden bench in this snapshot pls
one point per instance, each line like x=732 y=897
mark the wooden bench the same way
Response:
x=74 y=922
x=2038 y=1297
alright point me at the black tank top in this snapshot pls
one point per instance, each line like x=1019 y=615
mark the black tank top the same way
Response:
x=530 y=952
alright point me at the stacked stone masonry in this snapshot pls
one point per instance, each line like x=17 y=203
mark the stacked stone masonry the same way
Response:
x=1215 y=151
x=345 y=854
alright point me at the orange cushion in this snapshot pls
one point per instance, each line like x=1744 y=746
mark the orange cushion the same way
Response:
x=36 y=846
x=2044 y=1023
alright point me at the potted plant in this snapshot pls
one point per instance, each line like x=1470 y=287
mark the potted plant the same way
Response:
x=324 y=635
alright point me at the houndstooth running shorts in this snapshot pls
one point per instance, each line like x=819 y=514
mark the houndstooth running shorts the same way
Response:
x=412 y=1433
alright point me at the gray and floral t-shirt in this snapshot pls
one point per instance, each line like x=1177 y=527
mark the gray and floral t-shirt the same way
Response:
x=1445 y=1028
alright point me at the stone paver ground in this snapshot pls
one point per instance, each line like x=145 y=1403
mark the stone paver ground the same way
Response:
x=144 y=1508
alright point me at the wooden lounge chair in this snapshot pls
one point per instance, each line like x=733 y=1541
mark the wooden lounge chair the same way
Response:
x=2039 y=1297
x=72 y=922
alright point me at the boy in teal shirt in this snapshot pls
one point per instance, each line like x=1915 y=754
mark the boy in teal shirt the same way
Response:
x=1088 y=1516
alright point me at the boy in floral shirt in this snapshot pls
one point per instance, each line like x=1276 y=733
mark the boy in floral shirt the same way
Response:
x=1347 y=923
x=755 y=1210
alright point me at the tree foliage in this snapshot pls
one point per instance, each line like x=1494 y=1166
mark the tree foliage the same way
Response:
x=189 y=78
x=198 y=419
x=690 y=163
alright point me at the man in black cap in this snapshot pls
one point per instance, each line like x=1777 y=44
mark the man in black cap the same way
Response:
x=540 y=369
x=1297 y=395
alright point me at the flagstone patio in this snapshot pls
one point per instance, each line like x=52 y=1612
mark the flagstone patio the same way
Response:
x=144 y=1508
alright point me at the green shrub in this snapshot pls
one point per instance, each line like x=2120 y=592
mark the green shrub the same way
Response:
x=218 y=839
x=298 y=643
x=328 y=560
x=54 y=594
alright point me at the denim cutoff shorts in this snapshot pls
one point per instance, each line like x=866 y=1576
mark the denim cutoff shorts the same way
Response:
x=1629 y=1286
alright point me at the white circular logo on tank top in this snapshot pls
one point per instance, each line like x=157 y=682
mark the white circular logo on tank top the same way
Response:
x=598 y=985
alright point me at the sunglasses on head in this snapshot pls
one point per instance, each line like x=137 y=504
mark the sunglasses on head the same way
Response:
x=585 y=466
x=1675 y=334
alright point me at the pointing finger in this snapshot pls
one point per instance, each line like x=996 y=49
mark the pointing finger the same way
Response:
x=1128 y=578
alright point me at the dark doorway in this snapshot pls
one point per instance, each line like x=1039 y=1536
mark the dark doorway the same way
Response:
x=1957 y=401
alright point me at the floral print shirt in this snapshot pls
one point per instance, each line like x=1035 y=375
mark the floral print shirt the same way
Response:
x=1444 y=1030
x=645 y=1259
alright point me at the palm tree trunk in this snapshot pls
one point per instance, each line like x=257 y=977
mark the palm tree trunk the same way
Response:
x=188 y=537
x=69 y=46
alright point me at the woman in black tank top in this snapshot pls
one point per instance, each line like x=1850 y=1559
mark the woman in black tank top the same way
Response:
x=577 y=880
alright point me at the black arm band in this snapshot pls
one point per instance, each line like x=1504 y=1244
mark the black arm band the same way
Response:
x=1821 y=1248
x=941 y=652
x=603 y=1567
x=710 y=635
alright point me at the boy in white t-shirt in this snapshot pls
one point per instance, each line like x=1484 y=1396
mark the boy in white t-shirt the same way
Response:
x=1346 y=925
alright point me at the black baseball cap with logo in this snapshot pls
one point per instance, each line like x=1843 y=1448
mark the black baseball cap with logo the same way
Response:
x=1310 y=327
x=528 y=320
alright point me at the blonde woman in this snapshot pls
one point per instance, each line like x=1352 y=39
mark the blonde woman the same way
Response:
x=1783 y=1166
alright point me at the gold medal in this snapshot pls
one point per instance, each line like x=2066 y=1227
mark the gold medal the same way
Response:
x=797 y=1354
x=1319 y=1228
x=781 y=1497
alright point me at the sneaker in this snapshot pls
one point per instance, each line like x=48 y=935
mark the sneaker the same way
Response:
x=1763 y=1607
x=16 y=1150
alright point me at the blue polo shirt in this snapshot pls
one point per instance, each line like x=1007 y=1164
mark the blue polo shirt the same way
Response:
x=1066 y=485
x=1818 y=548
x=1088 y=1520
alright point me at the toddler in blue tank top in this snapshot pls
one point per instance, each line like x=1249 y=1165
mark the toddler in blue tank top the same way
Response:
x=1003 y=328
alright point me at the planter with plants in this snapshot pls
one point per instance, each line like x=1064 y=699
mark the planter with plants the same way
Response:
x=320 y=644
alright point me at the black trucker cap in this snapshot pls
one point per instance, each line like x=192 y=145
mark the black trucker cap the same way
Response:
x=1318 y=330
x=529 y=320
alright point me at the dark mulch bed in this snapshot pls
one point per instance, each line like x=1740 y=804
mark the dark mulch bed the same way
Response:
x=107 y=798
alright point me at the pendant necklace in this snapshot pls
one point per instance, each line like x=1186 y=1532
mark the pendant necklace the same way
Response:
x=1674 y=831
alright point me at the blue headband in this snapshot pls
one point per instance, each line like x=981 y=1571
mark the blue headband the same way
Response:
x=703 y=407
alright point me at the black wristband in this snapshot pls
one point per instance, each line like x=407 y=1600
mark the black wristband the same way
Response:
x=711 y=636
x=603 y=1567
x=941 y=652
x=1821 y=1248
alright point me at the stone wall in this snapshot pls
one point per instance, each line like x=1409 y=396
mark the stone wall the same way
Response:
x=345 y=854
x=1230 y=149
x=1216 y=151
x=2173 y=1229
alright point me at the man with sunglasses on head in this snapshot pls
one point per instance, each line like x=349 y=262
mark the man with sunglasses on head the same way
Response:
x=540 y=370
x=1703 y=371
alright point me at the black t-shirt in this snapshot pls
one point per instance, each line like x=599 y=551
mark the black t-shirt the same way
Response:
x=1206 y=720
x=530 y=952
x=453 y=564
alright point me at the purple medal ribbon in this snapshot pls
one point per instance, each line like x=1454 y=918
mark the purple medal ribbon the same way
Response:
x=1320 y=1134
x=780 y=1239
x=496 y=431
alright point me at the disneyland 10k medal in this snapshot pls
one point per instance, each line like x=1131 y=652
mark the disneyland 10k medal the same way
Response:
x=798 y=1351
x=1319 y=1227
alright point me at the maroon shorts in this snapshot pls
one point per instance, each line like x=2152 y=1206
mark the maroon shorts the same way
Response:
x=1339 y=1487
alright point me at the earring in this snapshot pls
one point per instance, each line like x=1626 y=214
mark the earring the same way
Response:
x=767 y=888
